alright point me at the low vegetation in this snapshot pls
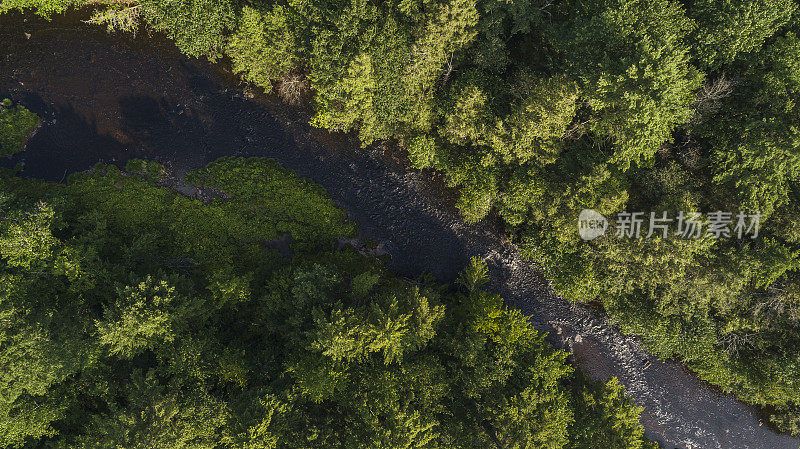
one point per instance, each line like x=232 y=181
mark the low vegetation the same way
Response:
x=16 y=125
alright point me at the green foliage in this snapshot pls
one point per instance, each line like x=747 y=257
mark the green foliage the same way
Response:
x=197 y=26
x=422 y=152
x=27 y=240
x=762 y=160
x=16 y=124
x=475 y=275
x=298 y=206
x=533 y=131
x=263 y=46
x=134 y=317
x=45 y=8
x=364 y=283
x=120 y=16
x=139 y=319
x=632 y=64
x=534 y=111
x=609 y=418
x=467 y=115
x=154 y=417
x=151 y=170
x=728 y=28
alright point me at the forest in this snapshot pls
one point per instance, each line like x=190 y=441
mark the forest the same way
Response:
x=537 y=109
x=136 y=317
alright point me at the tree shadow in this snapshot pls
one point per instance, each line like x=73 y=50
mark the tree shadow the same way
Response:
x=65 y=143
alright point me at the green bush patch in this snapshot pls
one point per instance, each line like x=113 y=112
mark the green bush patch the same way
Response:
x=16 y=125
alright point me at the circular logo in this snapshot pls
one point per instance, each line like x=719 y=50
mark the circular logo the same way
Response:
x=591 y=224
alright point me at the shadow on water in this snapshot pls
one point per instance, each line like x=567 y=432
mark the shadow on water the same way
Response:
x=52 y=153
x=68 y=141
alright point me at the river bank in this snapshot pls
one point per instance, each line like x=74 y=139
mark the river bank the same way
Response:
x=111 y=98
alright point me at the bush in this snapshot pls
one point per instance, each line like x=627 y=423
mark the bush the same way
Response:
x=16 y=125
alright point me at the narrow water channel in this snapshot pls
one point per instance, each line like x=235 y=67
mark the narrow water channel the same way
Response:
x=111 y=98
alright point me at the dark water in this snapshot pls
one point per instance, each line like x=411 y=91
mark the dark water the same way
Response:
x=111 y=98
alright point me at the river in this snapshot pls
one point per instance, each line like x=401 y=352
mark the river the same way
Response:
x=112 y=97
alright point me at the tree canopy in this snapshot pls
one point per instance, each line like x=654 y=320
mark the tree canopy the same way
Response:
x=136 y=317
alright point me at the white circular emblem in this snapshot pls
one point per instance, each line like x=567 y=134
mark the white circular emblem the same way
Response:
x=591 y=224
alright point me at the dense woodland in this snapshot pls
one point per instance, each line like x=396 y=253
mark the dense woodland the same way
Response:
x=135 y=317
x=537 y=109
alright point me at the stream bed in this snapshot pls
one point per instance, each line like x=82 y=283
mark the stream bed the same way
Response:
x=113 y=97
